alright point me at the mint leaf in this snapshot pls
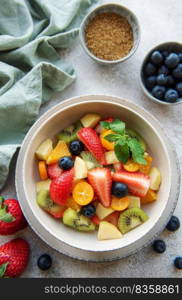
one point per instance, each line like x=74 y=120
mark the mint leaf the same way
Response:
x=122 y=151
x=137 y=151
x=117 y=126
x=105 y=124
x=3 y=269
x=112 y=137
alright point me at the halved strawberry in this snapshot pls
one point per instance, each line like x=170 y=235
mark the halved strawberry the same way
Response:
x=101 y=181
x=113 y=218
x=138 y=183
x=54 y=171
x=61 y=186
x=90 y=139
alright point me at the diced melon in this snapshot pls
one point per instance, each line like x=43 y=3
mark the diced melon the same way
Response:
x=44 y=149
x=134 y=201
x=102 y=212
x=59 y=151
x=90 y=120
x=108 y=231
x=43 y=185
x=155 y=179
x=80 y=168
x=111 y=157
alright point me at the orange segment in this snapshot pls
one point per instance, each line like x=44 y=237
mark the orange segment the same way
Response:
x=146 y=168
x=131 y=166
x=151 y=196
x=59 y=151
x=106 y=144
x=120 y=204
x=42 y=170
x=83 y=193
x=72 y=204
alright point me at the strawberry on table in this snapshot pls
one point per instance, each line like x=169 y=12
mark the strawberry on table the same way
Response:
x=54 y=171
x=13 y=258
x=11 y=217
x=138 y=183
x=90 y=139
x=101 y=181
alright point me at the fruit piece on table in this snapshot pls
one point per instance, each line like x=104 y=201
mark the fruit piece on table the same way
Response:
x=11 y=217
x=113 y=218
x=69 y=134
x=106 y=144
x=178 y=262
x=132 y=133
x=120 y=204
x=83 y=193
x=42 y=170
x=108 y=231
x=58 y=152
x=131 y=218
x=72 y=204
x=146 y=168
x=111 y=158
x=80 y=168
x=151 y=196
x=54 y=171
x=44 y=150
x=73 y=219
x=14 y=257
x=60 y=187
x=131 y=166
x=43 y=185
x=101 y=181
x=90 y=120
x=90 y=139
x=134 y=201
x=159 y=246
x=45 y=202
x=102 y=212
x=44 y=262
x=155 y=179
x=173 y=224
x=138 y=183
x=90 y=160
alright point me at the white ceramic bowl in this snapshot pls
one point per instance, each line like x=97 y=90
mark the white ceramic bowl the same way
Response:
x=83 y=245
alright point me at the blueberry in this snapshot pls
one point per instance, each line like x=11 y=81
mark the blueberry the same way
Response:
x=66 y=163
x=159 y=246
x=150 y=82
x=172 y=60
x=173 y=224
x=163 y=70
x=88 y=210
x=158 y=92
x=44 y=262
x=180 y=56
x=156 y=58
x=149 y=69
x=119 y=189
x=165 y=53
x=170 y=80
x=171 y=95
x=179 y=88
x=178 y=262
x=177 y=72
x=162 y=79
x=76 y=147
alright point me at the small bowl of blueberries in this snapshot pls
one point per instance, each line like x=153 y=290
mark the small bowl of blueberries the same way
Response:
x=161 y=74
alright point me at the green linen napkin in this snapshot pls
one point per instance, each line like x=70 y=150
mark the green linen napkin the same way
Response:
x=30 y=68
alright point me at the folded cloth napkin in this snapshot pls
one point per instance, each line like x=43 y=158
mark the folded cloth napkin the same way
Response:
x=30 y=68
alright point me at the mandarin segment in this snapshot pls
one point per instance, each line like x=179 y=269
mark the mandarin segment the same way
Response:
x=131 y=166
x=106 y=144
x=151 y=196
x=83 y=193
x=58 y=152
x=120 y=204
x=146 y=168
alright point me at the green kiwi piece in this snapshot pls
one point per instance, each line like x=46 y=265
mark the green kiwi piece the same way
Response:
x=75 y=220
x=43 y=199
x=69 y=134
x=131 y=218
x=136 y=135
x=90 y=160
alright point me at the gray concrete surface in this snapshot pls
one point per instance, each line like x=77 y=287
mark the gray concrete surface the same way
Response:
x=160 y=21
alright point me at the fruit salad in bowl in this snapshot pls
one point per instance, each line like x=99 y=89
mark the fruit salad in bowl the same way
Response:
x=97 y=175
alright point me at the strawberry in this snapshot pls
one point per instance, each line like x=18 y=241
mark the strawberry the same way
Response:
x=13 y=258
x=61 y=186
x=54 y=171
x=90 y=139
x=101 y=181
x=11 y=217
x=113 y=218
x=95 y=220
x=109 y=120
x=138 y=183
x=118 y=167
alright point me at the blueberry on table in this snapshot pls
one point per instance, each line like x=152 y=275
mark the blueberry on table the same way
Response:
x=156 y=57
x=150 y=81
x=158 y=92
x=159 y=246
x=179 y=88
x=171 y=95
x=119 y=189
x=170 y=80
x=88 y=210
x=76 y=147
x=172 y=60
x=44 y=262
x=150 y=69
x=177 y=72
x=161 y=79
x=163 y=70
x=173 y=224
x=178 y=262
x=66 y=163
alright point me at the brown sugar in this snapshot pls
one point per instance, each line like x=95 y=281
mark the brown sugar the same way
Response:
x=109 y=36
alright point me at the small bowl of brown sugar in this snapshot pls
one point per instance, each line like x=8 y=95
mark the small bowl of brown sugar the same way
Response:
x=110 y=33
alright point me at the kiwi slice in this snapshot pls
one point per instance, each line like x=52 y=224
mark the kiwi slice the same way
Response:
x=75 y=220
x=131 y=218
x=43 y=199
x=90 y=160
x=136 y=135
x=69 y=134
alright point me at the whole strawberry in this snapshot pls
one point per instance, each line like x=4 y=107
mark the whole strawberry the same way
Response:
x=13 y=258
x=11 y=217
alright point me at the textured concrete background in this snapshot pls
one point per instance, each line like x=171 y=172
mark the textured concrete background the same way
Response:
x=160 y=21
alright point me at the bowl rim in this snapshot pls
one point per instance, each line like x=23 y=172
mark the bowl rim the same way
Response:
x=142 y=84
x=103 y=61
x=28 y=212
